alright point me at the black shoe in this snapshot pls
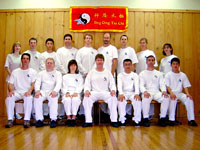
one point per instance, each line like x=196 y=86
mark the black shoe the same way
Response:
x=171 y=123
x=162 y=122
x=146 y=122
x=192 y=123
x=73 y=122
x=53 y=124
x=38 y=124
x=26 y=123
x=114 y=124
x=136 y=124
x=68 y=122
x=122 y=124
x=87 y=125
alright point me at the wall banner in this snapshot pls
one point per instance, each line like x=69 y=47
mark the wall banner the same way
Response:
x=99 y=19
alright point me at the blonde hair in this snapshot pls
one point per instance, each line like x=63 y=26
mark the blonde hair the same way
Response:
x=14 y=44
x=144 y=39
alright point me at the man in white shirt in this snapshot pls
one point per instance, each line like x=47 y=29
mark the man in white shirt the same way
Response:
x=100 y=85
x=20 y=86
x=152 y=87
x=175 y=82
x=47 y=86
x=128 y=88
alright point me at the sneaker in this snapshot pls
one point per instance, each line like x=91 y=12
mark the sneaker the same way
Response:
x=73 y=122
x=26 y=123
x=87 y=125
x=38 y=124
x=171 y=123
x=136 y=124
x=146 y=122
x=18 y=116
x=53 y=124
x=68 y=123
x=162 y=122
x=9 y=124
x=192 y=123
x=114 y=124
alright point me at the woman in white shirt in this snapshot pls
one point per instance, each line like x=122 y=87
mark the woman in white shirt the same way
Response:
x=13 y=61
x=71 y=91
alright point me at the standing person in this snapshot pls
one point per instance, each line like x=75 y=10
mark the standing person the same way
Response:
x=67 y=52
x=86 y=56
x=71 y=91
x=47 y=86
x=13 y=61
x=152 y=87
x=165 y=64
x=35 y=55
x=125 y=52
x=21 y=89
x=50 y=53
x=128 y=88
x=100 y=85
x=176 y=81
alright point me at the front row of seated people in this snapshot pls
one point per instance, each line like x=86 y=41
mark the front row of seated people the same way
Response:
x=99 y=85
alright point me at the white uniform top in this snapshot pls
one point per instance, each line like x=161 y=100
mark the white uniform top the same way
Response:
x=99 y=81
x=125 y=53
x=48 y=81
x=109 y=53
x=12 y=62
x=176 y=81
x=72 y=83
x=65 y=55
x=142 y=56
x=22 y=79
x=53 y=55
x=152 y=81
x=85 y=58
x=165 y=64
x=35 y=60
x=128 y=83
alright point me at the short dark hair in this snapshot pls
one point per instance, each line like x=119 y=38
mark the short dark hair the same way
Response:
x=151 y=56
x=124 y=36
x=26 y=54
x=33 y=38
x=99 y=56
x=170 y=46
x=176 y=59
x=49 y=39
x=73 y=62
x=67 y=35
x=127 y=60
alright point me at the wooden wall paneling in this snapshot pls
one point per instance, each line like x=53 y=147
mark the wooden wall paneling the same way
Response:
x=131 y=30
x=66 y=23
x=98 y=40
x=78 y=40
x=168 y=23
x=117 y=40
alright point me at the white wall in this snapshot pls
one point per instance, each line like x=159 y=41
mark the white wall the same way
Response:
x=150 y=4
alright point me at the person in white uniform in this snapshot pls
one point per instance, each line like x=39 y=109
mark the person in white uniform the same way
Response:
x=152 y=87
x=67 y=52
x=21 y=85
x=125 y=52
x=128 y=88
x=47 y=87
x=13 y=61
x=176 y=81
x=100 y=85
x=71 y=90
x=165 y=63
x=50 y=53
x=35 y=55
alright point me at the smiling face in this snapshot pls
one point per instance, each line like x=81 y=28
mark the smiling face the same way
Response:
x=17 y=48
x=167 y=50
x=88 y=40
x=67 y=41
x=50 y=64
x=143 y=44
x=106 y=38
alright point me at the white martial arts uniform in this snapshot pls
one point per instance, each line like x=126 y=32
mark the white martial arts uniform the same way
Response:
x=21 y=80
x=85 y=58
x=53 y=55
x=176 y=82
x=46 y=83
x=65 y=55
x=99 y=84
x=125 y=53
x=72 y=83
x=128 y=85
x=165 y=64
x=35 y=60
x=153 y=83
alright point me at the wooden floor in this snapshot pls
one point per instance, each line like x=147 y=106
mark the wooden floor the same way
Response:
x=181 y=137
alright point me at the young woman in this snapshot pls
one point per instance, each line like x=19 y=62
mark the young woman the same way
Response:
x=71 y=91
x=13 y=61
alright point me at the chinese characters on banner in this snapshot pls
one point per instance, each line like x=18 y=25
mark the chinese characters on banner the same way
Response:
x=100 y=19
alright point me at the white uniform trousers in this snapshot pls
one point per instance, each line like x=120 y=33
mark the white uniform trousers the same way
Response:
x=95 y=96
x=189 y=104
x=71 y=105
x=10 y=105
x=159 y=98
x=137 y=106
x=53 y=106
